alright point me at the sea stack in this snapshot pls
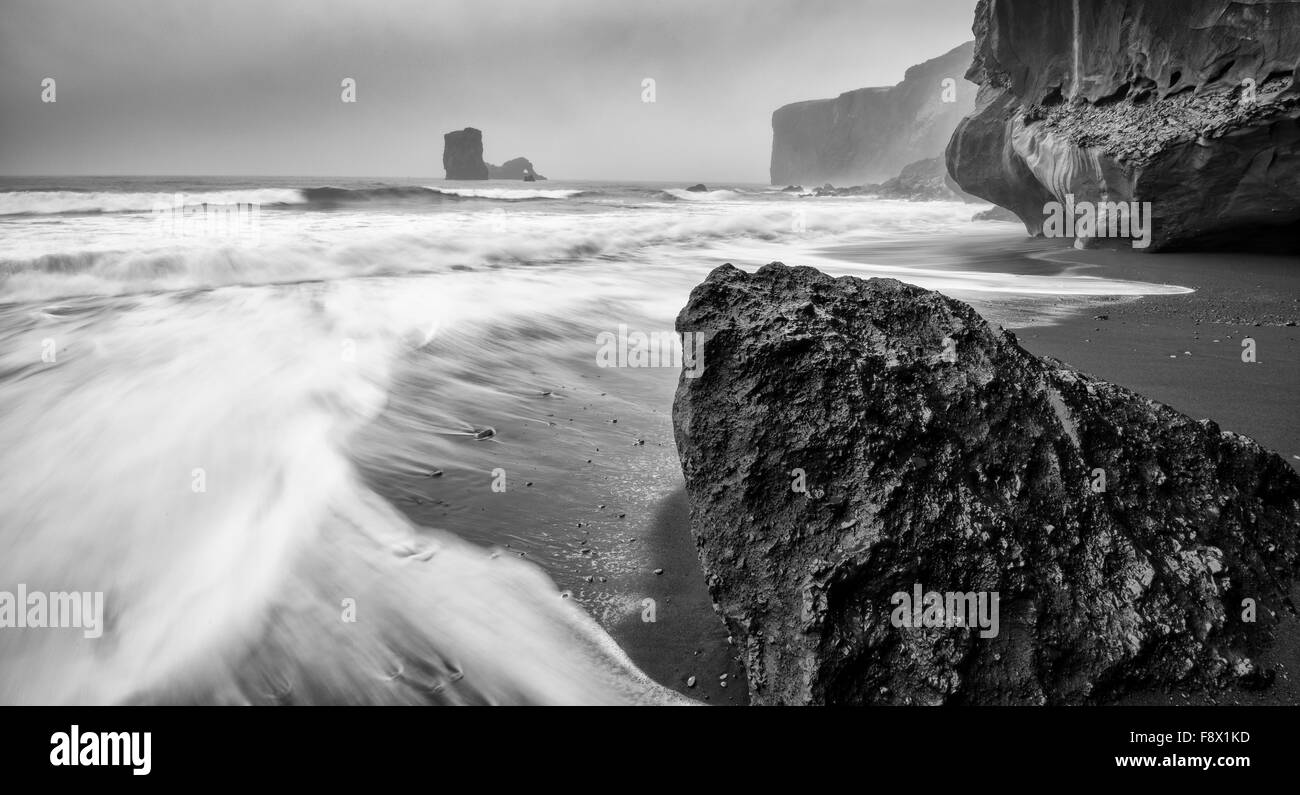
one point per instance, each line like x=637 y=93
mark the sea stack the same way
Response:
x=462 y=154
x=1190 y=106
x=519 y=168
x=854 y=448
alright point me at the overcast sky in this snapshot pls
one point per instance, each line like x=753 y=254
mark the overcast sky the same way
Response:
x=252 y=87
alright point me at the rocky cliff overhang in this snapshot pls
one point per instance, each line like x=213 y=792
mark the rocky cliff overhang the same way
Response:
x=851 y=441
x=1187 y=111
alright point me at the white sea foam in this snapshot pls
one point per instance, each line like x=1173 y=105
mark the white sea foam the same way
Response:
x=704 y=196
x=507 y=194
x=234 y=593
x=51 y=202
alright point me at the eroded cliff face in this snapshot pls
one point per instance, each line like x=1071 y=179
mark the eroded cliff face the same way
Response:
x=1191 y=106
x=848 y=441
x=869 y=135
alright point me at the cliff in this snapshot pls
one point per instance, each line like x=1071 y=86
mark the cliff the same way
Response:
x=1190 y=106
x=851 y=445
x=869 y=135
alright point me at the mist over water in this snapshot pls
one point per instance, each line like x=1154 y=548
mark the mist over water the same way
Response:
x=365 y=331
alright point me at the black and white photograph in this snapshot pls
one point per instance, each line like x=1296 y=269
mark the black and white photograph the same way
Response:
x=883 y=354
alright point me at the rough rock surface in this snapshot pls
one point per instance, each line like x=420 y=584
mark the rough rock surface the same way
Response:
x=936 y=451
x=462 y=154
x=1191 y=106
x=995 y=213
x=868 y=135
x=517 y=168
x=924 y=180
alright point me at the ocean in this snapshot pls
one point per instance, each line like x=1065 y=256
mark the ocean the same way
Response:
x=353 y=440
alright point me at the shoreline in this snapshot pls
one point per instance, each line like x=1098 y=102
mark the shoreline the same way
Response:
x=607 y=555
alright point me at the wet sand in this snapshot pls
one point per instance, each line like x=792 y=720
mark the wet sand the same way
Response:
x=602 y=516
x=594 y=496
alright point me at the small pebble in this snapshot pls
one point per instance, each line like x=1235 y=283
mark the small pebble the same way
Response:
x=659 y=571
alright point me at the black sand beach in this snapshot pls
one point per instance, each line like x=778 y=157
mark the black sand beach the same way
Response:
x=603 y=524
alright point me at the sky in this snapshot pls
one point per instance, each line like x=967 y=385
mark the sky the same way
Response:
x=254 y=87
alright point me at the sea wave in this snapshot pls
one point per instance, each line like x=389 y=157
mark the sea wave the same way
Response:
x=60 y=202
x=704 y=196
x=509 y=194
x=40 y=202
x=287 y=251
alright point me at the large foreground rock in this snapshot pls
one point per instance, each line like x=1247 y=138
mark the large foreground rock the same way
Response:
x=869 y=135
x=1191 y=106
x=936 y=451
